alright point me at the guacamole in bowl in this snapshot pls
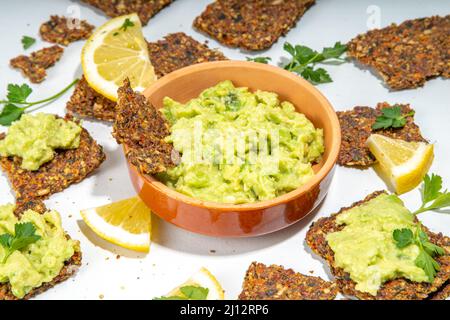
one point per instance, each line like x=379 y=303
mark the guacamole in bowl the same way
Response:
x=238 y=146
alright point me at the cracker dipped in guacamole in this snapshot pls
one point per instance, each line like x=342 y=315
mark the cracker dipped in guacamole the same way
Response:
x=238 y=146
x=40 y=261
x=34 y=138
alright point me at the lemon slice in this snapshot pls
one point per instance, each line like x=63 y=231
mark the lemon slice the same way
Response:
x=126 y=223
x=203 y=278
x=117 y=50
x=403 y=164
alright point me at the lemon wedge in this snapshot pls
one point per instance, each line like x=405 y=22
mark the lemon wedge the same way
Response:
x=117 y=50
x=403 y=164
x=126 y=223
x=203 y=278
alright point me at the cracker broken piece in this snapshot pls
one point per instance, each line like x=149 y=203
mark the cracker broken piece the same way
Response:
x=66 y=168
x=63 y=31
x=142 y=129
x=87 y=102
x=252 y=24
x=397 y=289
x=274 y=282
x=356 y=127
x=145 y=9
x=408 y=54
x=33 y=66
x=69 y=269
x=185 y=51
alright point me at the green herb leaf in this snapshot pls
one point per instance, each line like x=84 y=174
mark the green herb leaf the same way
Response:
x=27 y=42
x=391 y=117
x=24 y=235
x=18 y=93
x=194 y=292
x=304 y=59
x=189 y=293
x=403 y=237
x=428 y=264
x=264 y=60
x=126 y=24
x=10 y=113
x=432 y=196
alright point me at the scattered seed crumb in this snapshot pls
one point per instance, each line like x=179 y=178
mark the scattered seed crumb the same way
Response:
x=212 y=251
x=311 y=271
x=118 y=257
x=101 y=296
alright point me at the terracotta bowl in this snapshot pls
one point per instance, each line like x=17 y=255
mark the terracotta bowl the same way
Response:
x=244 y=220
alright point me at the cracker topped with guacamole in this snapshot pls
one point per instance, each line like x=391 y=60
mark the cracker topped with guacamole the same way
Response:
x=239 y=146
x=43 y=154
x=361 y=248
x=35 y=252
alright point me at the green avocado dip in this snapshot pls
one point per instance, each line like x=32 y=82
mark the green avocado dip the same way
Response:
x=34 y=138
x=38 y=262
x=366 y=249
x=237 y=146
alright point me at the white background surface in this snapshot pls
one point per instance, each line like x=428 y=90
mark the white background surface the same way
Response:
x=175 y=253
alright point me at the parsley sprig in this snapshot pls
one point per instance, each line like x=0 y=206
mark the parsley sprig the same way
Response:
x=304 y=60
x=432 y=199
x=16 y=102
x=391 y=117
x=24 y=235
x=188 y=293
x=27 y=42
x=427 y=250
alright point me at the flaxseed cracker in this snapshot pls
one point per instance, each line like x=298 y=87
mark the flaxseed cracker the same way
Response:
x=356 y=127
x=63 y=31
x=252 y=24
x=142 y=129
x=397 y=289
x=69 y=269
x=408 y=54
x=184 y=51
x=145 y=9
x=34 y=66
x=274 y=282
x=66 y=168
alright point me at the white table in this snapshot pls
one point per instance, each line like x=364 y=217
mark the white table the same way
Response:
x=175 y=253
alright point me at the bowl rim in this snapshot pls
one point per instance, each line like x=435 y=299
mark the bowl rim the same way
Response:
x=327 y=166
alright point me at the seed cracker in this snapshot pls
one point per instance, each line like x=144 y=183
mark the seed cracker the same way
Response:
x=397 y=289
x=252 y=24
x=64 y=31
x=184 y=51
x=356 y=127
x=66 y=168
x=34 y=66
x=277 y=283
x=70 y=267
x=142 y=129
x=406 y=55
x=145 y=9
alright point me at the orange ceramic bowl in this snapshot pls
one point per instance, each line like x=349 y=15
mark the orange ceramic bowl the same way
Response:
x=252 y=219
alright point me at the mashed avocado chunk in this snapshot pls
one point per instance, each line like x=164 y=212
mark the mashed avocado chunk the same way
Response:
x=34 y=138
x=39 y=262
x=238 y=146
x=365 y=247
